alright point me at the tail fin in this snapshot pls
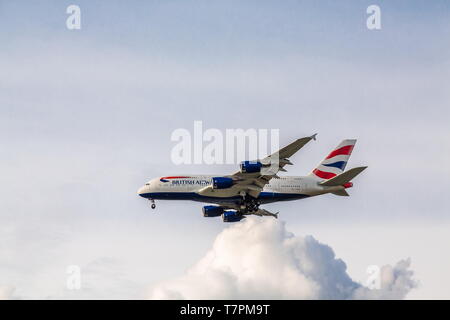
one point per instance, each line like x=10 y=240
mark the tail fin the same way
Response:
x=335 y=162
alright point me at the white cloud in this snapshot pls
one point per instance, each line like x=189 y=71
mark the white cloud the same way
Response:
x=260 y=259
x=395 y=283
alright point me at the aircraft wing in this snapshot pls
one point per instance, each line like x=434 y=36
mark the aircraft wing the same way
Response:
x=252 y=183
x=292 y=148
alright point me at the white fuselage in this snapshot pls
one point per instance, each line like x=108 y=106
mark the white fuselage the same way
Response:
x=190 y=188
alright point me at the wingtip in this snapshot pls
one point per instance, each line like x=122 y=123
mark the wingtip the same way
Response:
x=314 y=136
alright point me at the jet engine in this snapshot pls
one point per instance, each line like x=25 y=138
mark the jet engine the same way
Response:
x=231 y=216
x=250 y=166
x=212 y=211
x=222 y=182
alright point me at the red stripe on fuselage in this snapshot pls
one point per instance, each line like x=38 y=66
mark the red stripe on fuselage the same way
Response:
x=323 y=174
x=341 y=151
x=179 y=177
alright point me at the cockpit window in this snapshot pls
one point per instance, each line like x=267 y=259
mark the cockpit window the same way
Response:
x=147 y=184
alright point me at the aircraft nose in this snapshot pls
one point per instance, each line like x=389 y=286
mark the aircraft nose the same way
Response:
x=141 y=191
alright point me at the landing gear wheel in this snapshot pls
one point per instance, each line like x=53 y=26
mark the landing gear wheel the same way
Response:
x=153 y=204
x=253 y=206
x=250 y=204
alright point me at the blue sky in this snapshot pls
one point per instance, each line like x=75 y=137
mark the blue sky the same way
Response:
x=86 y=118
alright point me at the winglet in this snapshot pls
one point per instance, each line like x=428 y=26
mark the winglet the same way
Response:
x=314 y=136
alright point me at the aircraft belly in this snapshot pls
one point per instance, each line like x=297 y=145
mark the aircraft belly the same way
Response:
x=267 y=197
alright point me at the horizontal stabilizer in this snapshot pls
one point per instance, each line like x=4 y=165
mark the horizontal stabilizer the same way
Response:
x=342 y=193
x=343 y=178
x=264 y=212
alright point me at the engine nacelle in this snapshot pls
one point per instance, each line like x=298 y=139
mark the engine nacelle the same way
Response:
x=222 y=182
x=231 y=216
x=212 y=211
x=250 y=166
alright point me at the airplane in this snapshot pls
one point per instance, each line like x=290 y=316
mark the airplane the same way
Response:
x=235 y=196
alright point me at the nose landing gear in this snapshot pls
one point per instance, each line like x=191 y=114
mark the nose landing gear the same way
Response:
x=153 y=206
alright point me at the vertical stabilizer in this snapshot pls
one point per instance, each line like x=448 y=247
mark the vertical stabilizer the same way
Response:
x=335 y=162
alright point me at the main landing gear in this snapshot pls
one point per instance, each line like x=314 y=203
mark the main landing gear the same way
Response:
x=153 y=204
x=249 y=204
x=252 y=205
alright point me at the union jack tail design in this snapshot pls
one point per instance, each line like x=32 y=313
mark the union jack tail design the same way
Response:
x=335 y=162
